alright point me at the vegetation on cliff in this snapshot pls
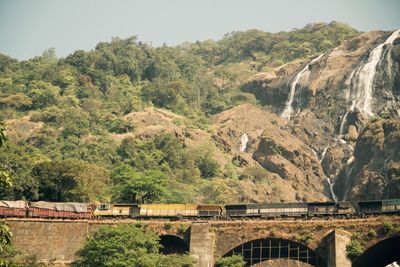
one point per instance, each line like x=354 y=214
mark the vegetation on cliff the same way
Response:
x=70 y=139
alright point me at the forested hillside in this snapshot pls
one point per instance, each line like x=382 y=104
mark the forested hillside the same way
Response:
x=127 y=121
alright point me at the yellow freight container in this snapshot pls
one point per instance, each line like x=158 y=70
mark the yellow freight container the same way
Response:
x=168 y=210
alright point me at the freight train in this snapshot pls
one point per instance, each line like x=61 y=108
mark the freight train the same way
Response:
x=309 y=210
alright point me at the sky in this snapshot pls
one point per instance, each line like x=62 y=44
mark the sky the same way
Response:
x=28 y=27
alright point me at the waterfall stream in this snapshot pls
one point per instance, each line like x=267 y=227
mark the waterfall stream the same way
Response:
x=243 y=142
x=287 y=112
x=361 y=80
x=331 y=189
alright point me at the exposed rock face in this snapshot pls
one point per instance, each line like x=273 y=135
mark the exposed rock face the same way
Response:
x=376 y=168
x=361 y=156
x=295 y=167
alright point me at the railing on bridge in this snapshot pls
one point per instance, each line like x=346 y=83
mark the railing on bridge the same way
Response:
x=268 y=249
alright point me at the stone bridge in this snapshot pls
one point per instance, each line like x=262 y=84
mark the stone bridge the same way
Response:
x=260 y=242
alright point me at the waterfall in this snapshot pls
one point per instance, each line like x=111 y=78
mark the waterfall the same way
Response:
x=331 y=189
x=362 y=78
x=287 y=112
x=323 y=153
x=349 y=170
x=344 y=119
x=243 y=142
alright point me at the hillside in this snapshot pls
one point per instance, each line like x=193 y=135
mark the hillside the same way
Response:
x=202 y=122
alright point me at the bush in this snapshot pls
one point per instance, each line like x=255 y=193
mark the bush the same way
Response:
x=387 y=227
x=354 y=249
x=126 y=245
x=232 y=261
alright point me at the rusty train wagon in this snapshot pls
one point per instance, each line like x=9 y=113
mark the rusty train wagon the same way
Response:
x=60 y=210
x=16 y=208
x=209 y=210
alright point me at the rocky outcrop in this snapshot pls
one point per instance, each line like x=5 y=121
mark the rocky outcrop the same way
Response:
x=295 y=167
x=375 y=171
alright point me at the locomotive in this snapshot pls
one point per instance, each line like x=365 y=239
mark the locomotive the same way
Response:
x=307 y=210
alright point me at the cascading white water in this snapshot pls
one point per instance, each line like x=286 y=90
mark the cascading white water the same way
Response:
x=287 y=112
x=331 y=189
x=361 y=80
x=349 y=169
x=344 y=119
x=323 y=153
x=243 y=142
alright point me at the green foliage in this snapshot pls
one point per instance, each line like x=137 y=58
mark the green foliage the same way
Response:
x=305 y=237
x=3 y=137
x=126 y=245
x=70 y=180
x=387 y=227
x=354 y=249
x=208 y=166
x=371 y=234
x=74 y=109
x=147 y=186
x=231 y=261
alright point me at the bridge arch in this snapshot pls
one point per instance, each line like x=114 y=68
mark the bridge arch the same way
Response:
x=381 y=254
x=263 y=249
x=172 y=244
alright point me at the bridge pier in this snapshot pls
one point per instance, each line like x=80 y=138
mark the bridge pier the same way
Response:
x=202 y=244
x=336 y=242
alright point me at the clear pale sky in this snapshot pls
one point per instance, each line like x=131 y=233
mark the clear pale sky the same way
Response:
x=29 y=27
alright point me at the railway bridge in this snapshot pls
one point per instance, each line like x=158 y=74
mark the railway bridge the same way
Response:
x=260 y=242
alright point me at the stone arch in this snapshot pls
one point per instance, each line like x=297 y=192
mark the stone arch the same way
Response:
x=172 y=244
x=381 y=254
x=264 y=249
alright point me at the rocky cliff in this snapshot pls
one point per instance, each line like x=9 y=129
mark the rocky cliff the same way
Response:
x=344 y=106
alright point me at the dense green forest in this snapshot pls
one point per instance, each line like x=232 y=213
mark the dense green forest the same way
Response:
x=80 y=101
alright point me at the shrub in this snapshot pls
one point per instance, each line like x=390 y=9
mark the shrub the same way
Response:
x=232 y=261
x=387 y=227
x=354 y=249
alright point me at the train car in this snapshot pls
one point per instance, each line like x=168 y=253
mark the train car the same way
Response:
x=209 y=210
x=168 y=210
x=273 y=210
x=106 y=210
x=18 y=208
x=321 y=209
x=60 y=210
x=386 y=206
x=242 y=210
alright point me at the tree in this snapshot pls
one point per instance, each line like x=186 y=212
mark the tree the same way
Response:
x=208 y=166
x=70 y=180
x=5 y=178
x=147 y=186
x=232 y=261
x=5 y=241
x=126 y=245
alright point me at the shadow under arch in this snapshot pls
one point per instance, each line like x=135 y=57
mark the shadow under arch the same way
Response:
x=381 y=254
x=259 y=250
x=172 y=244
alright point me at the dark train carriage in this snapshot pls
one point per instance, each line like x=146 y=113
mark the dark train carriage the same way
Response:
x=272 y=210
x=13 y=208
x=209 y=210
x=386 y=206
x=320 y=209
x=242 y=210
x=59 y=210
